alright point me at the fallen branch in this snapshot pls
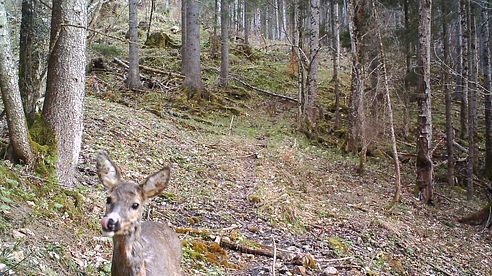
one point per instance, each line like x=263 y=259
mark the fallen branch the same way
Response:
x=268 y=252
x=147 y=68
x=266 y=92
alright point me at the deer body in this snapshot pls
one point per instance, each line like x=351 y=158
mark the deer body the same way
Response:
x=139 y=248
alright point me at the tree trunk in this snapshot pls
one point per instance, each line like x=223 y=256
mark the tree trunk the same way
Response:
x=16 y=120
x=406 y=97
x=184 y=55
x=193 y=76
x=472 y=101
x=394 y=149
x=424 y=138
x=464 y=67
x=214 y=43
x=488 y=102
x=33 y=54
x=247 y=22
x=447 y=91
x=312 y=78
x=133 y=80
x=224 y=31
x=336 y=60
x=356 y=136
x=63 y=108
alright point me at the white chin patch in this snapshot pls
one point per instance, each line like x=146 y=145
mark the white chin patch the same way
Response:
x=109 y=234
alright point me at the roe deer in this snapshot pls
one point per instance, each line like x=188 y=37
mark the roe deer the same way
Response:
x=139 y=248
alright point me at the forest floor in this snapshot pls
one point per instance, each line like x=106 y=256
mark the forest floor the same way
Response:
x=255 y=181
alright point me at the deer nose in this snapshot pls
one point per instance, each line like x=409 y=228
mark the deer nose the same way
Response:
x=110 y=224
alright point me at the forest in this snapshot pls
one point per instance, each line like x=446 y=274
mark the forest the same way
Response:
x=236 y=137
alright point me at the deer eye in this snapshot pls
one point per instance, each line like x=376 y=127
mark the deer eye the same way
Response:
x=135 y=206
x=108 y=200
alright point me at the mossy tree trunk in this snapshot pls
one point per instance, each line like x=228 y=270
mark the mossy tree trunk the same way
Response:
x=16 y=120
x=63 y=108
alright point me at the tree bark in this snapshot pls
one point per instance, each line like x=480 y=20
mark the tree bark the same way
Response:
x=224 y=30
x=424 y=135
x=133 y=80
x=465 y=36
x=33 y=54
x=247 y=22
x=193 y=76
x=447 y=91
x=472 y=101
x=184 y=55
x=312 y=78
x=336 y=60
x=488 y=101
x=16 y=120
x=64 y=103
x=356 y=118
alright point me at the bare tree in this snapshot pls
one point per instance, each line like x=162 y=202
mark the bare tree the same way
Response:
x=63 y=108
x=133 y=79
x=16 y=120
x=384 y=73
x=424 y=139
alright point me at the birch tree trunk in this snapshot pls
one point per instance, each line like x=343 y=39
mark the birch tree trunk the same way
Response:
x=16 y=120
x=64 y=103
x=424 y=139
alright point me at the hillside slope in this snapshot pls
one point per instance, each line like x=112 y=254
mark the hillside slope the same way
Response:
x=253 y=181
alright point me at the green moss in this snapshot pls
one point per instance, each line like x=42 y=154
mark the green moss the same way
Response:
x=44 y=144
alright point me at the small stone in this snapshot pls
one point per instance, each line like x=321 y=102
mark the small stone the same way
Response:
x=299 y=270
x=31 y=203
x=18 y=235
x=27 y=231
x=3 y=267
x=329 y=271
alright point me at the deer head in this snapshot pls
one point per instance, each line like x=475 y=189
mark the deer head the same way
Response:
x=125 y=201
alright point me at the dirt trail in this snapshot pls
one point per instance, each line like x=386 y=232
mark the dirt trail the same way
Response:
x=306 y=199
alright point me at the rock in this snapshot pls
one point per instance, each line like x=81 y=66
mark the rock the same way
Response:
x=299 y=270
x=27 y=231
x=3 y=267
x=18 y=235
x=160 y=40
x=329 y=271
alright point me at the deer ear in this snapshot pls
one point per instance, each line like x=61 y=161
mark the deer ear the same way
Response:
x=156 y=183
x=108 y=172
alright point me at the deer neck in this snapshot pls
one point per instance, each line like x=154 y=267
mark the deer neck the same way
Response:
x=128 y=253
